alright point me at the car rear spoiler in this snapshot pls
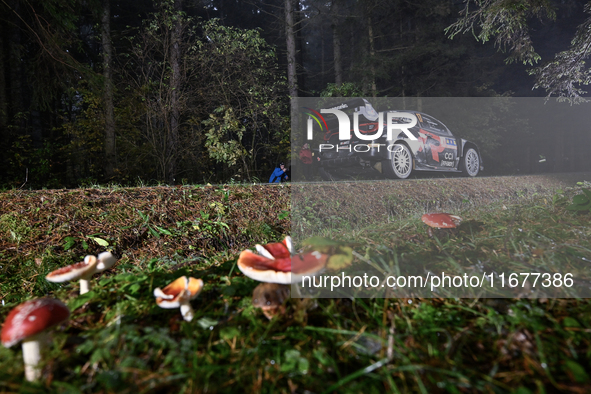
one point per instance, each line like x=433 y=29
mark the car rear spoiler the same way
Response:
x=360 y=105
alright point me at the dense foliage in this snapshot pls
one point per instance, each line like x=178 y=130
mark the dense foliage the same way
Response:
x=173 y=73
x=510 y=24
x=175 y=91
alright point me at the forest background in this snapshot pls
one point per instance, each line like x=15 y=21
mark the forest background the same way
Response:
x=198 y=91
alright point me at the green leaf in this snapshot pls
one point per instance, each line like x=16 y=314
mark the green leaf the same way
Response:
x=124 y=277
x=303 y=365
x=154 y=232
x=100 y=354
x=70 y=241
x=579 y=207
x=570 y=322
x=81 y=300
x=134 y=288
x=342 y=259
x=152 y=264
x=577 y=371
x=322 y=357
x=291 y=358
x=580 y=199
x=163 y=230
x=99 y=241
x=294 y=362
x=206 y=323
x=229 y=333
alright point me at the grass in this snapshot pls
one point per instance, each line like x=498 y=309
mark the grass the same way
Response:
x=118 y=340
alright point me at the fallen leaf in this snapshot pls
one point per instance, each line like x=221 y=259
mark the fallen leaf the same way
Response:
x=341 y=259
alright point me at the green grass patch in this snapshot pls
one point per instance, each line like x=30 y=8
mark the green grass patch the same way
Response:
x=119 y=340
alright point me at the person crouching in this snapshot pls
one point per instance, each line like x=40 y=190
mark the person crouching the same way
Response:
x=278 y=174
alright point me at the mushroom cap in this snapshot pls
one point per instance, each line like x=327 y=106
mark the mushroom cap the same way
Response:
x=308 y=264
x=74 y=271
x=180 y=291
x=32 y=317
x=441 y=220
x=287 y=242
x=105 y=261
x=274 y=263
x=263 y=269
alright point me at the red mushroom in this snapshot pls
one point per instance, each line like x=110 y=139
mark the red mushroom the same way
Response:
x=27 y=323
x=274 y=263
x=179 y=294
x=441 y=220
x=83 y=270
x=105 y=261
x=277 y=268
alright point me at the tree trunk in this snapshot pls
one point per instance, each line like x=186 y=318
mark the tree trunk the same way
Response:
x=110 y=162
x=3 y=93
x=292 y=81
x=527 y=160
x=322 y=59
x=372 y=53
x=15 y=71
x=4 y=97
x=336 y=42
x=559 y=151
x=352 y=50
x=572 y=156
x=175 y=86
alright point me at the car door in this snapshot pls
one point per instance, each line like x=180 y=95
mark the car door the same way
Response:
x=438 y=144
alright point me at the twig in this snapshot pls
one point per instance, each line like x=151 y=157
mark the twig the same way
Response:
x=390 y=349
x=26 y=179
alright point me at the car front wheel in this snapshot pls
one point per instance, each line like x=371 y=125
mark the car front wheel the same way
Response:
x=400 y=165
x=471 y=162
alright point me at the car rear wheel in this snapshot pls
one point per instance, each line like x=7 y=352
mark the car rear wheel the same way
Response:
x=400 y=165
x=471 y=162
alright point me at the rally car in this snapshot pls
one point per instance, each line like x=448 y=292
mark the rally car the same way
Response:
x=433 y=148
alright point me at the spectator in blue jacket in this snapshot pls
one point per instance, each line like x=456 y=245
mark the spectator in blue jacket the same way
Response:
x=278 y=174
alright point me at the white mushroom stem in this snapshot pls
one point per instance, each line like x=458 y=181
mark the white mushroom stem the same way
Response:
x=85 y=282
x=84 y=285
x=187 y=311
x=295 y=290
x=32 y=348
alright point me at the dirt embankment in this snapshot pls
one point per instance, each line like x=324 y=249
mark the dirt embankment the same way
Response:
x=155 y=222
x=200 y=221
